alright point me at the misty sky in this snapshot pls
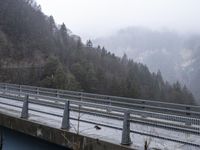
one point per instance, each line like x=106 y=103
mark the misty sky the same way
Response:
x=95 y=18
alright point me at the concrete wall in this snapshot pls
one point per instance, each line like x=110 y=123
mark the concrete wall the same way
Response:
x=57 y=136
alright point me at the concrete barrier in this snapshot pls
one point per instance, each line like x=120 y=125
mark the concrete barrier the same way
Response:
x=57 y=136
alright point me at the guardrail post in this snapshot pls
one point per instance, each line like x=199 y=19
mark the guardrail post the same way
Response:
x=57 y=93
x=188 y=111
x=20 y=90
x=5 y=88
x=37 y=91
x=126 y=140
x=81 y=98
x=66 y=115
x=143 y=103
x=81 y=95
x=188 y=121
x=143 y=107
x=109 y=104
x=24 y=113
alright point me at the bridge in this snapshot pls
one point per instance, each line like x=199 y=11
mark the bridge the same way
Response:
x=80 y=120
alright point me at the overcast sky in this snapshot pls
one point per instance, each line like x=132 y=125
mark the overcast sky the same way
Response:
x=95 y=18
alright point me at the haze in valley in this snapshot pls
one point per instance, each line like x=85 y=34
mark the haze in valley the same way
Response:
x=163 y=34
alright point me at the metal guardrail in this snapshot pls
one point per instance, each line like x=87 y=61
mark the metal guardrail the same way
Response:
x=143 y=110
x=99 y=106
x=138 y=104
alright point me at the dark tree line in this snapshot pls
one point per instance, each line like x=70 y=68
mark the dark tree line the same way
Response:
x=35 y=50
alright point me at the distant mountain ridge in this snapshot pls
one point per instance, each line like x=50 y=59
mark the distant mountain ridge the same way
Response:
x=175 y=54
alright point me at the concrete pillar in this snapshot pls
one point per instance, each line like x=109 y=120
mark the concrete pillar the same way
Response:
x=24 y=113
x=126 y=140
x=66 y=115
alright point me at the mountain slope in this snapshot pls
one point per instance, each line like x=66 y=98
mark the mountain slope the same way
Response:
x=175 y=54
x=35 y=50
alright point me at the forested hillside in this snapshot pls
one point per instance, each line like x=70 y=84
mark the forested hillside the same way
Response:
x=35 y=50
x=175 y=54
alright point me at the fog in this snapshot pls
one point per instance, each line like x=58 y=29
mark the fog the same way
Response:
x=96 y=18
x=163 y=34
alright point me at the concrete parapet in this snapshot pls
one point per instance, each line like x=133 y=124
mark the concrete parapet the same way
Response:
x=57 y=136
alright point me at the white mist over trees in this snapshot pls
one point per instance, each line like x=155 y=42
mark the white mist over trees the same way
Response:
x=94 y=18
x=176 y=55
x=35 y=50
x=168 y=51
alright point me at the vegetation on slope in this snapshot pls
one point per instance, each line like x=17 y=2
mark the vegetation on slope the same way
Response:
x=35 y=50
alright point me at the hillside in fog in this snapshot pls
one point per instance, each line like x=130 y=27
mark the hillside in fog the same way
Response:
x=176 y=55
x=35 y=50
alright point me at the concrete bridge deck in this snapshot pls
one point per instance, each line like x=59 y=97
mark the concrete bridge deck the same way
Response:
x=45 y=121
x=47 y=127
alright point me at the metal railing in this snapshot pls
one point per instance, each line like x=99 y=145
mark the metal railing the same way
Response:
x=138 y=104
x=181 y=118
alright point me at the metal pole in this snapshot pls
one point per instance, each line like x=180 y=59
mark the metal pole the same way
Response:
x=37 y=91
x=188 y=121
x=81 y=96
x=5 y=88
x=20 y=90
x=109 y=104
x=57 y=93
x=66 y=115
x=126 y=140
x=24 y=113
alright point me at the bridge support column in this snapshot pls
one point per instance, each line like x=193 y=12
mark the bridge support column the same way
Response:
x=24 y=113
x=66 y=115
x=126 y=140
